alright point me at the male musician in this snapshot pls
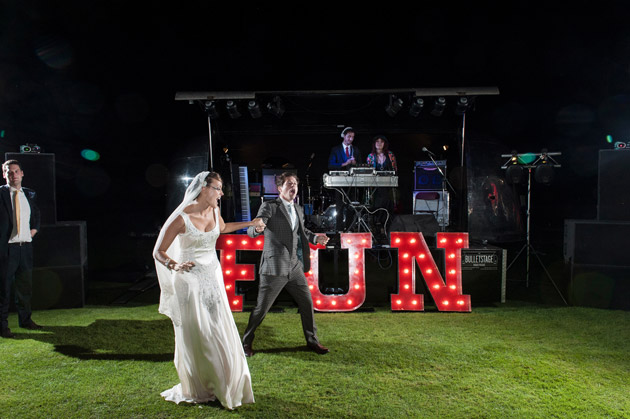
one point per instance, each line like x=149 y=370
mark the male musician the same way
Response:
x=19 y=222
x=285 y=258
x=343 y=157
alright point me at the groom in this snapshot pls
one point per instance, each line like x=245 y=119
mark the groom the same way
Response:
x=285 y=258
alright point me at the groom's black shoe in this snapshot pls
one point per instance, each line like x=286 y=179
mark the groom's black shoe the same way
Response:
x=32 y=326
x=6 y=333
x=248 y=350
x=318 y=348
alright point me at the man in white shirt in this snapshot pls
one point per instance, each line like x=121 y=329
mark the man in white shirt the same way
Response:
x=19 y=222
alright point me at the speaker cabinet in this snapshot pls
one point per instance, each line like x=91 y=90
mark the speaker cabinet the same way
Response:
x=62 y=244
x=427 y=176
x=58 y=287
x=600 y=268
x=613 y=200
x=39 y=175
x=590 y=242
x=59 y=265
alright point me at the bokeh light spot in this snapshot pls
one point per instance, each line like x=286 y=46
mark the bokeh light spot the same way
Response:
x=90 y=155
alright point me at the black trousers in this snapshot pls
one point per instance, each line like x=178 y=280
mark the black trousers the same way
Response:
x=20 y=277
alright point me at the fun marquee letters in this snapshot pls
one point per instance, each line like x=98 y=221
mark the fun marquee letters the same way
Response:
x=413 y=253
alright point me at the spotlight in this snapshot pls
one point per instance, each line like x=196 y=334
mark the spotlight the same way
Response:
x=276 y=107
x=211 y=109
x=462 y=105
x=438 y=106
x=416 y=107
x=514 y=174
x=30 y=148
x=232 y=109
x=395 y=105
x=544 y=171
x=254 y=109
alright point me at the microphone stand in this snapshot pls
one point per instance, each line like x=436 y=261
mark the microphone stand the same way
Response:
x=444 y=183
x=309 y=200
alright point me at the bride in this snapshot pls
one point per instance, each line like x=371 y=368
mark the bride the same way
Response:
x=209 y=356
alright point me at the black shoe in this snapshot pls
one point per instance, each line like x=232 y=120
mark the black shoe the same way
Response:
x=33 y=326
x=6 y=333
x=248 y=350
x=318 y=348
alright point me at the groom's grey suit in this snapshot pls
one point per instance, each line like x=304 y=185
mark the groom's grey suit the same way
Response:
x=285 y=258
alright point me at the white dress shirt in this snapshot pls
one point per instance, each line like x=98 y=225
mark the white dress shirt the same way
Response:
x=25 y=218
x=290 y=207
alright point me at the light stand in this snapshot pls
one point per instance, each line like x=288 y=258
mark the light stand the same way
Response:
x=542 y=158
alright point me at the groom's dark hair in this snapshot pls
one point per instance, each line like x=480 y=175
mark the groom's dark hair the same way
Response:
x=280 y=179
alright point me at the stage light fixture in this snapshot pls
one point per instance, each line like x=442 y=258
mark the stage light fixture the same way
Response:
x=276 y=107
x=394 y=106
x=514 y=173
x=416 y=107
x=438 y=106
x=544 y=170
x=211 y=109
x=461 y=106
x=254 y=109
x=232 y=109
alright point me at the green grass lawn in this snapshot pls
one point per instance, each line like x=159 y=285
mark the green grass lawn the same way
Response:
x=514 y=361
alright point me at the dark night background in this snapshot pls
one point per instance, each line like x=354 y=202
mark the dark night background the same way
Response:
x=103 y=76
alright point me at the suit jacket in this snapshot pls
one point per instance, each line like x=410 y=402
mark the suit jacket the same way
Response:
x=279 y=243
x=338 y=156
x=6 y=215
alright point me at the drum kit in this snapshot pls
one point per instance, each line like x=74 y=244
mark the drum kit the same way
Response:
x=321 y=211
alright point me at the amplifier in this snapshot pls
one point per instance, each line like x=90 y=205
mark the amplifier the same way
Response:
x=427 y=176
x=484 y=274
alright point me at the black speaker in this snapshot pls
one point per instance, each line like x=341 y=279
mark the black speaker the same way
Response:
x=39 y=175
x=600 y=267
x=590 y=242
x=484 y=274
x=425 y=224
x=600 y=286
x=613 y=200
x=58 y=287
x=62 y=244
x=60 y=263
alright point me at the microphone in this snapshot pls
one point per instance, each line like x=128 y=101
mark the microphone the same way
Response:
x=427 y=151
x=310 y=161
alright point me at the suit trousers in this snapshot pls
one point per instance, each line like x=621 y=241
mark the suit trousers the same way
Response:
x=297 y=286
x=20 y=276
x=5 y=294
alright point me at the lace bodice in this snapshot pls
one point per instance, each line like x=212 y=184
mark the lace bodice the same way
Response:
x=198 y=246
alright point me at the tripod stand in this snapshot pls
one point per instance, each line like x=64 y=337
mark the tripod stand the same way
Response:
x=530 y=250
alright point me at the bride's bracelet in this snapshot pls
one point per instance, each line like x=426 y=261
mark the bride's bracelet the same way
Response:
x=167 y=262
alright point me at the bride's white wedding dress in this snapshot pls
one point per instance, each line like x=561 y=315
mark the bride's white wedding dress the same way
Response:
x=209 y=356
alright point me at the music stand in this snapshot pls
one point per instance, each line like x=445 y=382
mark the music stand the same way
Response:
x=515 y=160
